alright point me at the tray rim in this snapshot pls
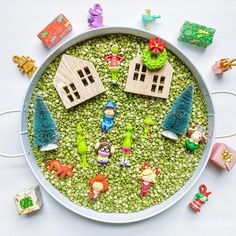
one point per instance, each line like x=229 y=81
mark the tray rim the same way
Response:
x=115 y=218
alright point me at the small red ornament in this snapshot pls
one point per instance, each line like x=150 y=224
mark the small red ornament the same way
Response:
x=156 y=45
x=201 y=198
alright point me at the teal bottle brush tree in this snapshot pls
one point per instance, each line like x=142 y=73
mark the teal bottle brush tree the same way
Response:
x=82 y=146
x=45 y=129
x=177 y=119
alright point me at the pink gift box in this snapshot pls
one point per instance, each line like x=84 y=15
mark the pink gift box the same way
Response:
x=216 y=156
x=216 y=67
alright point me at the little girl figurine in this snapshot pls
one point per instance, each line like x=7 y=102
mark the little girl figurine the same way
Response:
x=114 y=61
x=104 y=151
x=148 y=177
x=109 y=112
x=98 y=184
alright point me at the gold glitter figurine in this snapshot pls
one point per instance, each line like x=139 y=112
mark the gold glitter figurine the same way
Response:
x=25 y=65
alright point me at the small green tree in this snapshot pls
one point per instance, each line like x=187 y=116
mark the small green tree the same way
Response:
x=45 y=129
x=177 y=119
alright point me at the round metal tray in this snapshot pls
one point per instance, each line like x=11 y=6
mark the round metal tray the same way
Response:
x=89 y=213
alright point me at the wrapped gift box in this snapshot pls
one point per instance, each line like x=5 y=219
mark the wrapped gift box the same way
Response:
x=28 y=200
x=55 y=31
x=199 y=35
x=223 y=156
x=217 y=68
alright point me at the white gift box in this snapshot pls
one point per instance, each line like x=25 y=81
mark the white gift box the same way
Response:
x=28 y=200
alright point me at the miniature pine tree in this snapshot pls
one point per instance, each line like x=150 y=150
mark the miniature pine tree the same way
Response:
x=45 y=129
x=177 y=119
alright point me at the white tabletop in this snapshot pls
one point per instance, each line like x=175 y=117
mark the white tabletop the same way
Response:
x=20 y=23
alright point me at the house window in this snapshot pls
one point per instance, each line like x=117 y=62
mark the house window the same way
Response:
x=91 y=79
x=137 y=67
x=87 y=71
x=84 y=81
x=160 y=89
x=153 y=89
x=144 y=68
x=86 y=76
x=66 y=89
x=155 y=78
x=71 y=92
x=135 y=77
x=70 y=98
x=81 y=74
x=162 y=80
x=139 y=72
x=158 y=84
x=73 y=87
x=142 y=77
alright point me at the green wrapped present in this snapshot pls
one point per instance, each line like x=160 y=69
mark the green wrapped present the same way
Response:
x=199 y=35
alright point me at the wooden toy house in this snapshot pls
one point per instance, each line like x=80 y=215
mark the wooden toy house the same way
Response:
x=76 y=81
x=155 y=83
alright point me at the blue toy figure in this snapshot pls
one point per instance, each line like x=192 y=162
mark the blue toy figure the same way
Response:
x=147 y=19
x=109 y=112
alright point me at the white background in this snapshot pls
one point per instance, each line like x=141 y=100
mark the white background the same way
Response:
x=20 y=23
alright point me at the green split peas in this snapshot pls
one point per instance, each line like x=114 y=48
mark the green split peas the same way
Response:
x=176 y=165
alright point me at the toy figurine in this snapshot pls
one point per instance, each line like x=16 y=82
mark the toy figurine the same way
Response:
x=126 y=146
x=95 y=19
x=25 y=65
x=61 y=170
x=109 y=112
x=148 y=177
x=104 y=151
x=196 y=136
x=98 y=184
x=201 y=198
x=147 y=19
x=114 y=61
x=82 y=146
x=223 y=65
x=148 y=121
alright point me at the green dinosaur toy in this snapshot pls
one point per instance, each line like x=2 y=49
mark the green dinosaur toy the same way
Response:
x=148 y=121
x=82 y=146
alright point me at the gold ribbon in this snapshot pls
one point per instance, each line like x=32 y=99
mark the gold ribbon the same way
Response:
x=225 y=64
x=227 y=157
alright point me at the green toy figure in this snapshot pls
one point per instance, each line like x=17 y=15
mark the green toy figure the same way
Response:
x=126 y=146
x=148 y=121
x=114 y=61
x=82 y=146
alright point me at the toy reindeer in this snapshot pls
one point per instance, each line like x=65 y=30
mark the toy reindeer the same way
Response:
x=60 y=169
x=196 y=136
x=201 y=198
x=148 y=177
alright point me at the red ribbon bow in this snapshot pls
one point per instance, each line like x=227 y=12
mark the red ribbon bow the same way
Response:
x=156 y=45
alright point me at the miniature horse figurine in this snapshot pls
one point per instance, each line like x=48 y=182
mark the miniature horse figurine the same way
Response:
x=61 y=170
x=95 y=20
